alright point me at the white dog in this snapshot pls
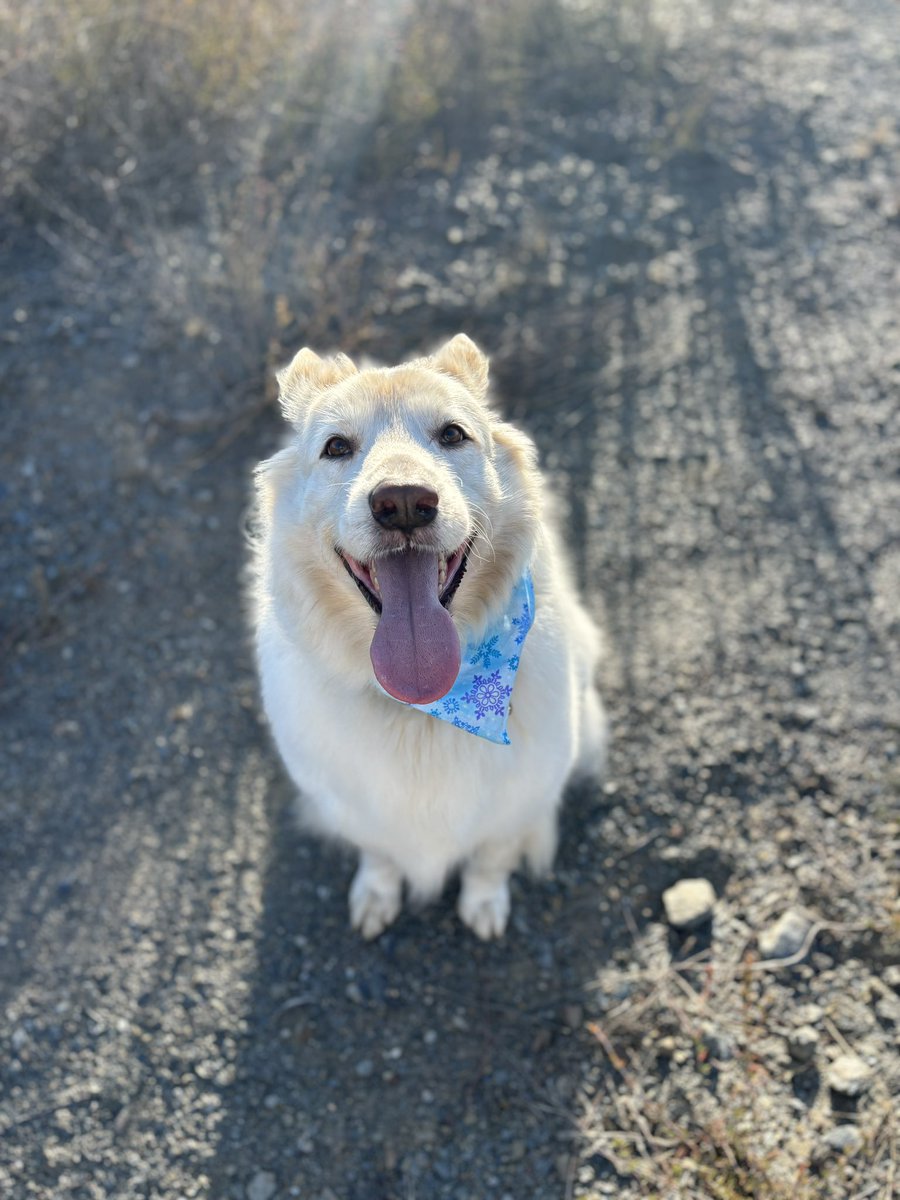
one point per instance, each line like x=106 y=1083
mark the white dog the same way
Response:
x=404 y=554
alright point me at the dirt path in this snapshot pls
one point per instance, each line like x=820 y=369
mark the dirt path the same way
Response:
x=691 y=299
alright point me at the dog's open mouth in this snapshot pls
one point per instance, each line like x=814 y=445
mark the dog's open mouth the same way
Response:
x=450 y=573
x=415 y=651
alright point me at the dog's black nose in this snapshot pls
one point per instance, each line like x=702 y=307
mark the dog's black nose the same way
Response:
x=403 y=506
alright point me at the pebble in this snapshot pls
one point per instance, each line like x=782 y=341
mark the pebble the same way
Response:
x=845 y=1139
x=802 y=1043
x=848 y=1075
x=786 y=937
x=887 y=1009
x=573 y=1015
x=262 y=1186
x=807 y=1014
x=689 y=903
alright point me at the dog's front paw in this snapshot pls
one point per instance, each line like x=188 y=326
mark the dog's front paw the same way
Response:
x=484 y=906
x=375 y=896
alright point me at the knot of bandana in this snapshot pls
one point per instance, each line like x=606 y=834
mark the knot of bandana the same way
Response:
x=479 y=700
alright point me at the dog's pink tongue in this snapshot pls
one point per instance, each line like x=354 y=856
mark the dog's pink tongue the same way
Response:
x=415 y=650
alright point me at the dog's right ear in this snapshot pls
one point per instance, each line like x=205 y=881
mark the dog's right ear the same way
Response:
x=461 y=358
x=305 y=377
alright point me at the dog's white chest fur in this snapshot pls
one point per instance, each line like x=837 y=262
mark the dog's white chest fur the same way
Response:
x=410 y=461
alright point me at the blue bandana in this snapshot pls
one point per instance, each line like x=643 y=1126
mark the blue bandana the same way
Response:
x=479 y=700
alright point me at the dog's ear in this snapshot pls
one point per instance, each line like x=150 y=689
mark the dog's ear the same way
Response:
x=462 y=359
x=306 y=376
x=518 y=446
x=516 y=460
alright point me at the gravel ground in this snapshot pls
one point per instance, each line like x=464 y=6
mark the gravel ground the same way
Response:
x=690 y=296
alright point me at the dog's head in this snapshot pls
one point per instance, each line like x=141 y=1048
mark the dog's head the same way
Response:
x=400 y=515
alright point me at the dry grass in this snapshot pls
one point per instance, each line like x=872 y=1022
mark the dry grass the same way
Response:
x=698 y=1105
x=107 y=109
x=201 y=150
x=202 y=156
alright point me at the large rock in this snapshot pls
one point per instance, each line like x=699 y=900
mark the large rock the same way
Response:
x=689 y=903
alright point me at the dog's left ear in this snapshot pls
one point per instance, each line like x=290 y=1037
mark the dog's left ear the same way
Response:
x=516 y=460
x=306 y=376
x=462 y=359
x=517 y=445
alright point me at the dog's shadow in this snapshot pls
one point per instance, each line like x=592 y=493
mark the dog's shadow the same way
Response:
x=426 y=1063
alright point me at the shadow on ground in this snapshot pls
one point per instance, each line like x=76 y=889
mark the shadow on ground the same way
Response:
x=427 y=1063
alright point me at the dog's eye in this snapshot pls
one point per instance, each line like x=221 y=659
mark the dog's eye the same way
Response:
x=452 y=435
x=337 y=447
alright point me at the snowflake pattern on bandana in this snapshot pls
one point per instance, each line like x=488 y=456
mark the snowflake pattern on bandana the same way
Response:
x=488 y=695
x=486 y=653
x=523 y=621
x=479 y=700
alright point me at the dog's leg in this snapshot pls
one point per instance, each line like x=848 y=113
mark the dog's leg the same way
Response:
x=539 y=843
x=484 y=893
x=591 y=762
x=375 y=894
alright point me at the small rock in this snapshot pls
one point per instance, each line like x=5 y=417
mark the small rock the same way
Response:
x=805 y=715
x=364 y=1068
x=848 y=1075
x=844 y=1139
x=887 y=1009
x=802 y=1043
x=786 y=937
x=541 y=1041
x=892 y=976
x=807 y=1014
x=689 y=903
x=572 y=1015
x=262 y=1186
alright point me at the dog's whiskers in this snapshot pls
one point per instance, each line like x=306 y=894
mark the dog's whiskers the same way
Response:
x=481 y=536
x=484 y=514
x=484 y=529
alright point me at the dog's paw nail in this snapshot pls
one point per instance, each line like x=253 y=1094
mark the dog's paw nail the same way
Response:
x=486 y=915
x=371 y=912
